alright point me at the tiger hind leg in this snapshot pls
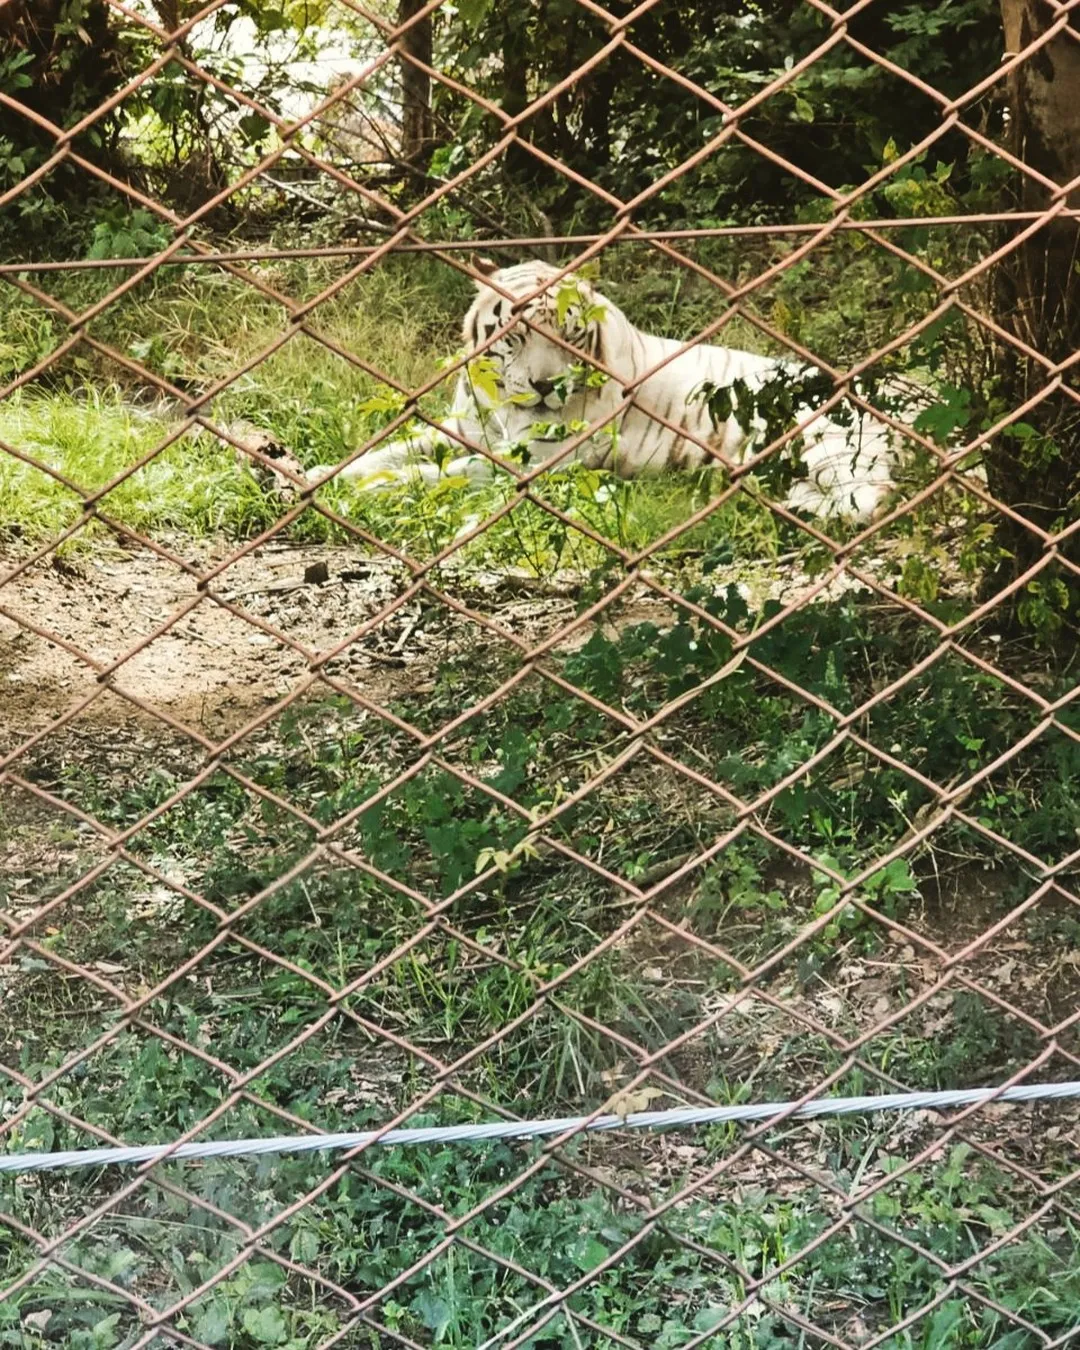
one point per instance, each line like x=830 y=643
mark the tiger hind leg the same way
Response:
x=849 y=473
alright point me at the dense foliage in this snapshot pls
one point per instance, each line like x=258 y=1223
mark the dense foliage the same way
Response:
x=624 y=124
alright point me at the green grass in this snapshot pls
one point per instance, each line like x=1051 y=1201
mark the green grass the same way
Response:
x=520 y=929
x=196 y=325
x=88 y=427
x=513 y=931
x=198 y=486
x=96 y=438
x=89 y=424
x=662 y=1292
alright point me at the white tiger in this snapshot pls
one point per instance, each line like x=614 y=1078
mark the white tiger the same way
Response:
x=530 y=398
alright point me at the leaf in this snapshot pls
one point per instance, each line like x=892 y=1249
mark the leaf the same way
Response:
x=119 y=1263
x=474 y=12
x=482 y=374
x=254 y=128
x=804 y=110
x=433 y=1311
x=588 y=1253
x=946 y=1320
x=213 y=1322
x=567 y=296
x=271 y=20
x=381 y=402
x=996 y=1219
x=629 y=1103
x=265 y=1325
x=941 y=419
x=304 y=1246
x=105 y=1331
x=707 y=1318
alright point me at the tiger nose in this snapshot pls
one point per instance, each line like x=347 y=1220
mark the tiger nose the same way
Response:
x=543 y=387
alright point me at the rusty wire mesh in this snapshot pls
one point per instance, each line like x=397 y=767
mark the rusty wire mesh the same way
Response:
x=244 y=1241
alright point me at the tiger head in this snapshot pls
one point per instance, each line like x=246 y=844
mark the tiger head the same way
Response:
x=530 y=369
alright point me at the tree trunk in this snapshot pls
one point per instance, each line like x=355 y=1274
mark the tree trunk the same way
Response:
x=417 y=125
x=519 y=164
x=1037 y=291
x=596 y=112
x=522 y=168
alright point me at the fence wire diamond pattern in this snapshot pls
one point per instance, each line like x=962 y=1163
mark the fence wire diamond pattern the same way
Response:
x=456 y=842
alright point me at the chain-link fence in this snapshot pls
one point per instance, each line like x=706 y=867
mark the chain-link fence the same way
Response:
x=651 y=729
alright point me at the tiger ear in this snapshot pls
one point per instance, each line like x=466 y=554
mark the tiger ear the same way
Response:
x=485 y=266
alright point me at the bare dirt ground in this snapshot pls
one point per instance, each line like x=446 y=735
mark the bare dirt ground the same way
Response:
x=141 y=625
x=63 y=623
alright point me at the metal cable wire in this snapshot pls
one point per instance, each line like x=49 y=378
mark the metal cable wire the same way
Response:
x=677 y=1118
